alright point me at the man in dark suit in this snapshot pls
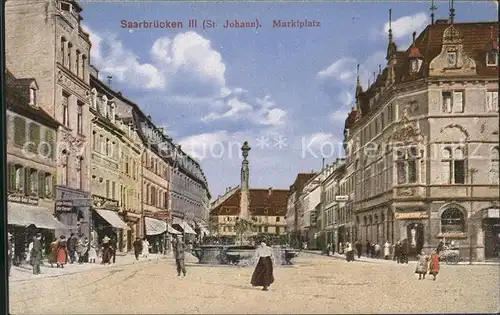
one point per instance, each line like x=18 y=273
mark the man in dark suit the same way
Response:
x=36 y=254
x=179 y=250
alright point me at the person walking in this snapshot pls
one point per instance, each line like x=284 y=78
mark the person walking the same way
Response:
x=113 y=245
x=145 y=247
x=422 y=262
x=349 y=254
x=106 y=251
x=359 y=248
x=397 y=252
x=368 y=248
x=263 y=273
x=71 y=247
x=404 y=251
x=387 y=250
x=36 y=254
x=137 y=247
x=92 y=253
x=62 y=252
x=10 y=252
x=179 y=253
x=434 y=264
x=53 y=253
x=376 y=248
x=79 y=249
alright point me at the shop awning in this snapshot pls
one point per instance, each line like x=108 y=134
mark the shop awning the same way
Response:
x=112 y=218
x=204 y=230
x=183 y=224
x=156 y=227
x=25 y=215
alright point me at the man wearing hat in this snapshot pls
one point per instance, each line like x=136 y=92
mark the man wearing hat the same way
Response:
x=179 y=249
x=36 y=253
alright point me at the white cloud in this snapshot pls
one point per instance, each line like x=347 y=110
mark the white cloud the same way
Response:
x=341 y=70
x=406 y=25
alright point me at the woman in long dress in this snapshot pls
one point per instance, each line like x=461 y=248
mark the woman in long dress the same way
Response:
x=62 y=252
x=145 y=248
x=434 y=265
x=92 y=253
x=53 y=253
x=422 y=262
x=263 y=273
x=387 y=250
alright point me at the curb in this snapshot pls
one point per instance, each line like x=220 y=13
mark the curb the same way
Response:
x=87 y=270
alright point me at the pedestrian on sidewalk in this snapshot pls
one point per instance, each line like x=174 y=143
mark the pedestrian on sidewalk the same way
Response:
x=145 y=248
x=263 y=273
x=397 y=252
x=368 y=248
x=36 y=254
x=422 y=262
x=359 y=248
x=80 y=249
x=10 y=252
x=137 y=247
x=53 y=253
x=92 y=253
x=349 y=254
x=376 y=248
x=71 y=247
x=434 y=264
x=62 y=252
x=387 y=250
x=113 y=244
x=106 y=251
x=404 y=251
x=179 y=252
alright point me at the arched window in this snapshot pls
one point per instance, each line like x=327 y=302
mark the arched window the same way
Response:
x=453 y=166
x=494 y=170
x=452 y=221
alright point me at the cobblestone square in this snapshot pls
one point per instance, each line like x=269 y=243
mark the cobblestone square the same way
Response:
x=315 y=284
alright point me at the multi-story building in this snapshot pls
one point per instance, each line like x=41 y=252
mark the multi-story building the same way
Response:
x=422 y=153
x=31 y=163
x=293 y=205
x=267 y=211
x=116 y=173
x=44 y=41
x=310 y=209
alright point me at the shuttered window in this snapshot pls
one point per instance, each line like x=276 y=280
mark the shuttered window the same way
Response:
x=19 y=130
x=41 y=184
x=11 y=179
x=26 y=180
x=458 y=102
x=34 y=132
x=52 y=193
x=48 y=148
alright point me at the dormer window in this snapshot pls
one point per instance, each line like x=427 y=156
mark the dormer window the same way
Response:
x=452 y=59
x=66 y=7
x=414 y=65
x=32 y=96
x=492 y=58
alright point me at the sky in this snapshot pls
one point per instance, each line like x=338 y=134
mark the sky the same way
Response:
x=286 y=91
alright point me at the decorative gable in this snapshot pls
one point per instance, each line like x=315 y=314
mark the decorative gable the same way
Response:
x=452 y=60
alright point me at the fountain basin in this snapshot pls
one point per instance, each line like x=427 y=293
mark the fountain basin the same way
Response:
x=242 y=255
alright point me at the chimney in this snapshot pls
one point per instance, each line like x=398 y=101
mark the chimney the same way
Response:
x=270 y=191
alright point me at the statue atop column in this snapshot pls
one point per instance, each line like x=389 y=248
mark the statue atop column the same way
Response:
x=244 y=189
x=245 y=172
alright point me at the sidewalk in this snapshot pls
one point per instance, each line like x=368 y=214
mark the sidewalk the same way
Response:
x=25 y=272
x=390 y=261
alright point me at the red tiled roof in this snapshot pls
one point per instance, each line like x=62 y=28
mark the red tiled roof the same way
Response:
x=261 y=203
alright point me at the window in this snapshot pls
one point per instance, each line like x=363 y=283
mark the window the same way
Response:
x=452 y=59
x=277 y=219
x=77 y=60
x=49 y=143
x=113 y=190
x=94 y=139
x=32 y=96
x=79 y=172
x=79 y=118
x=494 y=169
x=19 y=130
x=266 y=229
x=107 y=147
x=84 y=60
x=389 y=113
x=277 y=230
x=70 y=46
x=65 y=111
x=414 y=65
x=406 y=164
x=492 y=101
x=62 y=52
x=452 y=102
x=108 y=191
x=32 y=181
x=492 y=58
x=65 y=7
x=452 y=221
x=64 y=168
x=49 y=185
x=15 y=178
x=34 y=134
x=41 y=184
x=453 y=166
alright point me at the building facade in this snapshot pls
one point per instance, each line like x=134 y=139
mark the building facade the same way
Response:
x=293 y=205
x=115 y=173
x=422 y=154
x=309 y=210
x=60 y=67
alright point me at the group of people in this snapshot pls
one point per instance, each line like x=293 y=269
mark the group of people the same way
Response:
x=398 y=251
x=427 y=264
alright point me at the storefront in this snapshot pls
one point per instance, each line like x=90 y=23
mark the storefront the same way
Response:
x=134 y=223
x=412 y=225
x=25 y=219
x=107 y=222
x=73 y=209
x=158 y=233
x=183 y=226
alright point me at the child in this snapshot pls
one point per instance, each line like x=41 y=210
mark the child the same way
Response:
x=434 y=265
x=92 y=253
x=422 y=262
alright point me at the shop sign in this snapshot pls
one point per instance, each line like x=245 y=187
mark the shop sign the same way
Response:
x=64 y=206
x=493 y=213
x=29 y=200
x=410 y=215
x=103 y=202
x=341 y=198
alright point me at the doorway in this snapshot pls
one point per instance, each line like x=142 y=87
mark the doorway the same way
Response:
x=415 y=236
x=491 y=229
